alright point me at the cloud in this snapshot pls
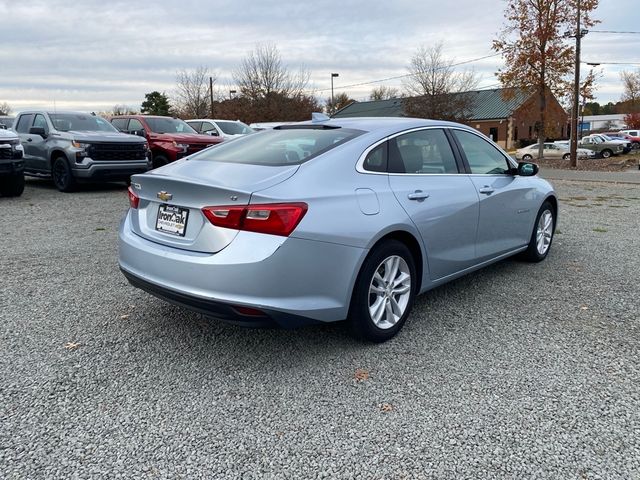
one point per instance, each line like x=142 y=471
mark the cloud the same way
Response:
x=95 y=54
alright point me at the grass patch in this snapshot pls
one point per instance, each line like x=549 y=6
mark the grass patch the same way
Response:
x=600 y=230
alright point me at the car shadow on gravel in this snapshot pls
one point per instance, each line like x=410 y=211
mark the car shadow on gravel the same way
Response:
x=171 y=327
x=47 y=184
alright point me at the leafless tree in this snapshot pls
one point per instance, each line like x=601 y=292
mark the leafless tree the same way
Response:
x=340 y=100
x=262 y=74
x=384 y=93
x=435 y=89
x=192 y=92
x=631 y=92
x=5 y=108
x=121 y=109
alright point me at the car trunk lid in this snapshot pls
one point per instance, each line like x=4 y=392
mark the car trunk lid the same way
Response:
x=172 y=197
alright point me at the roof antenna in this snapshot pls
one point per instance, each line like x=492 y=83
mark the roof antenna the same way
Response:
x=317 y=117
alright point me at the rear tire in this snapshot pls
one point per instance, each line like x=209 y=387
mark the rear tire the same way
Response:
x=62 y=176
x=566 y=156
x=606 y=153
x=384 y=293
x=527 y=158
x=12 y=185
x=542 y=235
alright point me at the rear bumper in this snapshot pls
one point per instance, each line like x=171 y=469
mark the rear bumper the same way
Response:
x=293 y=281
x=117 y=170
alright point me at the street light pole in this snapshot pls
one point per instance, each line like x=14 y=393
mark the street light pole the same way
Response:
x=333 y=75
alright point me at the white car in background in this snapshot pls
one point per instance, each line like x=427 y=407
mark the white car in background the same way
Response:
x=551 y=150
x=227 y=129
x=267 y=125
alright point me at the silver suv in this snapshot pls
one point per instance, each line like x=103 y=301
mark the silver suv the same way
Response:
x=76 y=146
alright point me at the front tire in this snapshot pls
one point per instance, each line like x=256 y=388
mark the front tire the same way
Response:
x=527 y=158
x=62 y=175
x=606 y=153
x=566 y=156
x=384 y=293
x=12 y=185
x=542 y=235
x=159 y=161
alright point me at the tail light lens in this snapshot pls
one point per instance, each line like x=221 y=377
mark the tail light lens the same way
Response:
x=134 y=200
x=272 y=218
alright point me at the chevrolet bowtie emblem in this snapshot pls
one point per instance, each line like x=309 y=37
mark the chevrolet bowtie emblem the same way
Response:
x=164 y=196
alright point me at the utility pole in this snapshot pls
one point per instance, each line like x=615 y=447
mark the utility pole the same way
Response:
x=576 y=91
x=211 y=95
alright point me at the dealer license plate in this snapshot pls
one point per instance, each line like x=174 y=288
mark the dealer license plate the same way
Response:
x=172 y=220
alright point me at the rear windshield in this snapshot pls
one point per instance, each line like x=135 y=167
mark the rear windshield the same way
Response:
x=234 y=128
x=168 y=125
x=279 y=147
x=80 y=122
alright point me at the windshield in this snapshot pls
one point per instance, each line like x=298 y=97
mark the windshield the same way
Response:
x=168 y=125
x=80 y=122
x=279 y=147
x=234 y=128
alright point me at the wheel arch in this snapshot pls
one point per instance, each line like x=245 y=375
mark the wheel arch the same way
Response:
x=554 y=204
x=56 y=153
x=414 y=246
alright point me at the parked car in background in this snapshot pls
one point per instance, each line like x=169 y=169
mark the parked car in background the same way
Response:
x=626 y=144
x=380 y=210
x=169 y=138
x=604 y=148
x=11 y=164
x=226 y=129
x=551 y=150
x=77 y=146
x=6 y=122
x=633 y=136
x=267 y=125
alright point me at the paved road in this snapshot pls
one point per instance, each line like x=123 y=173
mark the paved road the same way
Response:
x=630 y=176
x=517 y=371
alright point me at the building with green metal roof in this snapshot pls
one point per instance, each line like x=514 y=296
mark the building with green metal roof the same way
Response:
x=508 y=116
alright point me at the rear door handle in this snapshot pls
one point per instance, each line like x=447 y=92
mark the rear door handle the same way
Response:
x=29 y=139
x=418 y=195
x=487 y=190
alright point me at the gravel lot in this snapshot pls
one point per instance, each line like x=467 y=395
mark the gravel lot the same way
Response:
x=517 y=371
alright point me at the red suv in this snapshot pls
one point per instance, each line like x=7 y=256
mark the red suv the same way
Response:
x=169 y=138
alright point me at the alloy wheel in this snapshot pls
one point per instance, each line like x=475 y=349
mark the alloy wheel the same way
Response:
x=544 y=232
x=389 y=292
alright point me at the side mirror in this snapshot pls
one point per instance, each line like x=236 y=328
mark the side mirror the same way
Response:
x=526 y=169
x=213 y=133
x=139 y=133
x=38 y=131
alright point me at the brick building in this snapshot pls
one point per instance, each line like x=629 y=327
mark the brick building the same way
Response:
x=506 y=116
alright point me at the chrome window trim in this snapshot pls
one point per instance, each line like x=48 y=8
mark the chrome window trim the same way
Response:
x=510 y=160
x=360 y=163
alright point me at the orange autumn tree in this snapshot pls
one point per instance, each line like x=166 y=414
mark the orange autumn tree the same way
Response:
x=537 y=57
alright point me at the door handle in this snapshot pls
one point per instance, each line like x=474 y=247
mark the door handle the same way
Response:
x=418 y=195
x=29 y=139
x=487 y=190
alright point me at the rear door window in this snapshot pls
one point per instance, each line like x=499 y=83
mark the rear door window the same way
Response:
x=424 y=151
x=135 y=125
x=120 y=123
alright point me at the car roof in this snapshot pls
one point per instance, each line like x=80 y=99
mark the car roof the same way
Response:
x=386 y=124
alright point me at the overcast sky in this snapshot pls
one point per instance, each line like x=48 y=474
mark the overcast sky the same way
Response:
x=91 y=55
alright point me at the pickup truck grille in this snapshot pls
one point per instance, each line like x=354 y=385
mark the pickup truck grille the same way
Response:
x=6 y=150
x=117 y=151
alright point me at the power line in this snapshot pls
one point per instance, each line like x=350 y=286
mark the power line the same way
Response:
x=402 y=76
x=613 y=31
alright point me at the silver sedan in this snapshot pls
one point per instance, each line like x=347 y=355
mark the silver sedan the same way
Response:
x=554 y=150
x=331 y=220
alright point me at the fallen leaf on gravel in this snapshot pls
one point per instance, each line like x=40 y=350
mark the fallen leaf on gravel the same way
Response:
x=584 y=307
x=100 y=229
x=361 y=375
x=386 y=407
x=71 y=345
x=124 y=317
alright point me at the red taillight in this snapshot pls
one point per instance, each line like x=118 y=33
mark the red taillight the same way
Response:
x=134 y=200
x=272 y=218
